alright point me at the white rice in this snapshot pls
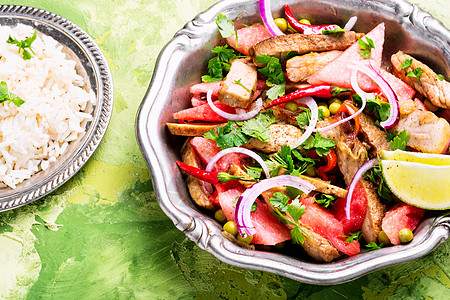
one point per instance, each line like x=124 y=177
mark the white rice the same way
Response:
x=35 y=134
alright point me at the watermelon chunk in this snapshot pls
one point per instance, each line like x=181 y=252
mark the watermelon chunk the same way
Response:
x=204 y=148
x=203 y=87
x=338 y=73
x=401 y=216
x=358 y=210
x=326 y=225
x=204 y=113
x=401 y=89
x=195 y=101
x=248 y=37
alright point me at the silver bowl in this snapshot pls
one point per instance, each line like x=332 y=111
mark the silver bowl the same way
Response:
x=92 y=65
x=184 y=60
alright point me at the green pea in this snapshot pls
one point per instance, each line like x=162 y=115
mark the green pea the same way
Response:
x=291 y=105
x=334 y=107
x=220 y=216
x=281 y=23
x=248 y=239
x=405 y=235
x=325 y=111
x=383 y=238
x=231 y=228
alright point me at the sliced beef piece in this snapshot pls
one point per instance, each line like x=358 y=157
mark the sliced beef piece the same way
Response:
x=350 y=152
x=375 y=212
x=280 y=135
x=428 y=84
x=373 y=135
x=279 y=46
x=429 y=133
x=239 y=85
x=299 y=68
x=195 y=186
x=325 y=187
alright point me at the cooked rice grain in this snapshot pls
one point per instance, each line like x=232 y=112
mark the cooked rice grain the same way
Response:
x=35 y=134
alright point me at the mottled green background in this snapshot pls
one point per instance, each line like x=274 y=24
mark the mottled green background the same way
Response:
x=103 y=236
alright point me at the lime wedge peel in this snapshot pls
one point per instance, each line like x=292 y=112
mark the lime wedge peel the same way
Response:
x=418 y=157
x=423 y=185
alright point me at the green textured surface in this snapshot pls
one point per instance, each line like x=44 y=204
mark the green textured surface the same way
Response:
x=103 y=236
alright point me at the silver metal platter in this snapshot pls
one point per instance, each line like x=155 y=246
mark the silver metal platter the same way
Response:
x=184 y=60
x=92 y=65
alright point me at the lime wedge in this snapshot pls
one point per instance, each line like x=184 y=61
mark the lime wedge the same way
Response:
x=422 y=185
x=424 y=158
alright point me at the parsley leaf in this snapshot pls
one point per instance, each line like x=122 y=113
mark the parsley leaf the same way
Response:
x=276 y=90
x=6 y=95
x=26 y=43
x=416 y=73
x=380 y=108
x=226 y=27
x=280 y=201
x=398 y=140
x=353 y=236
x=219 y=65
x=320 y=144
x=374 y=246
x=291 y=160
x=366 y=47
x=325 y=200
x=375 y=175
x=441 y=78
x=253 y=172
x=236 y=134
x=274 y=73
x=406 y=63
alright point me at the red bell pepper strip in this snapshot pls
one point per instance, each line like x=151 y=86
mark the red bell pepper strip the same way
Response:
x=310 y=29
x=349 y=108
x=331 y=164
x=209 y=176
x=322 y=91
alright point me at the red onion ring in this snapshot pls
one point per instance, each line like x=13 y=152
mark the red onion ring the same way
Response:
x=387 y=91
x=266 y=16
x=358 y=175
x=234 y=117
x=350 y=23
x=248 y=197
x=312 y=105
x=361 y=93
x=242 y=150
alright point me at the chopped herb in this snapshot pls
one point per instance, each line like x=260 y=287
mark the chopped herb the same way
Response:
x=366 y=47
x=441 y=78
x=374 y=246
x=353 y=236
x=6 y=95
x=325 y=200
x=406 y=63
x=291 y=160
x=320 y=144
x=337 y=31
x=295 y=209
x=416 y=73
x=304 y=117
x=235 y=134
x=243 y=86
x=290 y=55
x=226 y=27
x=274 y=73
x=398 y=140
x=219 y=65
x=381 y=109
x=253 y=172
x=23 y=44
x=375 y=175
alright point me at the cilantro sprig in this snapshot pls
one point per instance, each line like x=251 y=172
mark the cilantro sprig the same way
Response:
x=274 y=73
x=325 y=200
x=375 y=175
x=366 y=47
x=23 y=45
x=6 y=95
x=353 y=236
x=226 y=27
x=376 y=105
x=291 y=160
x=295 y=209
x=416 y=73
x=398 y=140
x=219 y=65
x=374 y=246
x=237 y=133
x=406 y=63
x=320 y=144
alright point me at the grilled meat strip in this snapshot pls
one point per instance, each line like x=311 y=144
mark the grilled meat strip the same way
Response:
x=299 y=68
x=428 y=84
x=279 y=46
x=375 y=212
x=280 y=135
x=373 y=135
x=350 y=152
x=195 y=185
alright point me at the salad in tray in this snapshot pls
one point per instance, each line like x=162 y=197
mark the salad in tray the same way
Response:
x=300 y=137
